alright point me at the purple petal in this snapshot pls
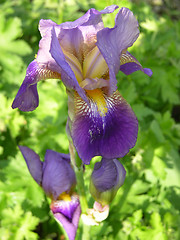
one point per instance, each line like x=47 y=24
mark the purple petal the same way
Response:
x=104 y=175
x=70 y=227
x=67 y=208
x=45 y=25
x=129 y=64
x=109 y=134
x=111 y=42
x=67 y=75
x=27 y=97
x=108 y=174
x=121 y=173
x=91 y=17
x=58 y=175
x=79 y=37
x=33 y=163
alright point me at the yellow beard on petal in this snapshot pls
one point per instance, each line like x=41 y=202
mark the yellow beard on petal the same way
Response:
x=64 y=196
x=98 y=98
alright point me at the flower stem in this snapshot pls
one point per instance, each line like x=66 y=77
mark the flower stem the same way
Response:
x=78 y=167
x=81 y=189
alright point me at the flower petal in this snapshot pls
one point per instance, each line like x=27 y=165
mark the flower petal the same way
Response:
x=108 y=174
x=107 y=177
x=70 y=227
x=79 y=37
x=33 y=163
x=111 y=42
x=27 y=97
x=107 y=128
x=58 y=175
x=66 y=207
x=45 y=25
x=67 y=75
x=104 y=175
x=129 y=64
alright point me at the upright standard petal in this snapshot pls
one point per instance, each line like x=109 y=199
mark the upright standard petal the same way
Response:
x=27 y=97
x=33 y=162
x=58 y=175
x=79 y=37
x=129 y=64
x=107 y=128
x=67 y=75
x=112 y=41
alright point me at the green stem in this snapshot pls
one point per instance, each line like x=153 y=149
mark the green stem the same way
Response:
x=78 y=167
x=86 y=232
x=81 y=189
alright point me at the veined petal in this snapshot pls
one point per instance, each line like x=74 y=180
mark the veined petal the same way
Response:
x=27 y=97
x=66 y=207
x=94 y=83
x=58 y=175
x=129 y=64
x=111 y=42
x=107 y=128
x=33 y=162
x=94 y=65
x=67 y=75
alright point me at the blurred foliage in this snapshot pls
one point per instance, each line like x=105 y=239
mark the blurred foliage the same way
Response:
x=147 y=206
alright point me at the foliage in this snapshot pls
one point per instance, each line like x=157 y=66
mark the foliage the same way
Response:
x=148 y=204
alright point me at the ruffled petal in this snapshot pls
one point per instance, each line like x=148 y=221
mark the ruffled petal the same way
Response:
x=33 y=163
x=27 y=97
x=58 y=175
x=129 y=64
x=111 y=42
x=45 y=25
x=79 y=37
x=107 y=128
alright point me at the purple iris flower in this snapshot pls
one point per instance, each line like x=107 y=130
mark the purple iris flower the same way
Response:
x=57 y=178
x=86 y=57
x=107 y=177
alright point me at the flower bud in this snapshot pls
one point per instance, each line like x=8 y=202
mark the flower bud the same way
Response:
x=107 y=177
x=56 y=176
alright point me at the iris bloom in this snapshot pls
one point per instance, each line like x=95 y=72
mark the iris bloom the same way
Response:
x=57 y=178
x=86 y=57
x=107 y=177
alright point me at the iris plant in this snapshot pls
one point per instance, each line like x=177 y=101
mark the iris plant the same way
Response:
x=86 y=57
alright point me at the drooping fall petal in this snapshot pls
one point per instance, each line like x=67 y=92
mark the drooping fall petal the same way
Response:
x=107 y=128
x=27 y=97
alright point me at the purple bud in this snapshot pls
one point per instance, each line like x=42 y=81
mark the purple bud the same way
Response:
x=55 y=174
x=107 y=177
